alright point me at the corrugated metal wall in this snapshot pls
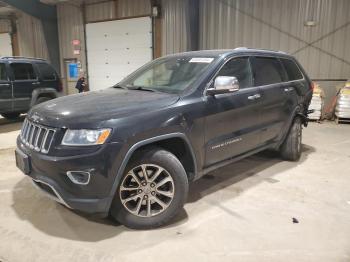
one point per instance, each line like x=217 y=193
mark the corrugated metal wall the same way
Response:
x=175 y=34
x=5 y=26
x=31 y=37
x=70 y=27
x=279 y=24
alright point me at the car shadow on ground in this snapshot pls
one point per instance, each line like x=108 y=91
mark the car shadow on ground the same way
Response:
x=56 y=220
x=7 y=125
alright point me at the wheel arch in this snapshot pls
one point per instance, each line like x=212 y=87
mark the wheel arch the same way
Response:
x=43 y=92
x=165 y=142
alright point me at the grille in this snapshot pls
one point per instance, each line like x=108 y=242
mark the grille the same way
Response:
x=37 y=137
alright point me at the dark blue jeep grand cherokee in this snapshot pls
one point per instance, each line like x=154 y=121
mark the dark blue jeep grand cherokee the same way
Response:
x=132 y=149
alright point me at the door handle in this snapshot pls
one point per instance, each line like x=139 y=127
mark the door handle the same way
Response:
x=4 y=84
x=253 y=97
x=288 y=89
x=36 y=83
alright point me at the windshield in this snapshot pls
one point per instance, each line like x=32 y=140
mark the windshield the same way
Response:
x=170 y=74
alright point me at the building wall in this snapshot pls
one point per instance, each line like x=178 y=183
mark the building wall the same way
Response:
x=323 y=49
x=31 y=37
x=5 y=26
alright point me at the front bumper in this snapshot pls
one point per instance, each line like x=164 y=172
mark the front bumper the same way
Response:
x=49 y=174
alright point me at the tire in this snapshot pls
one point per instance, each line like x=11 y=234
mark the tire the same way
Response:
x=11 y=116
x=291 y=148
x=147 y=213
x=42 y=100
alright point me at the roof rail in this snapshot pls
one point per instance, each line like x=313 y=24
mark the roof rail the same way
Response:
x=22 y=57
x=262 y=49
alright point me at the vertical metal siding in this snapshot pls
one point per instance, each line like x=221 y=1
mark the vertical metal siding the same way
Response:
x=174 y=26
x=100 y=11
x=70 y=27
x=5 y=25
x=31 y=37
x=133 y=8
x=279 y=24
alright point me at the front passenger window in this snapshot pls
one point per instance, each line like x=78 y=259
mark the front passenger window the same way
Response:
x=239 y=68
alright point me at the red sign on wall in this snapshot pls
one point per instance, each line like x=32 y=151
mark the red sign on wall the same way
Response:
x=76 y=42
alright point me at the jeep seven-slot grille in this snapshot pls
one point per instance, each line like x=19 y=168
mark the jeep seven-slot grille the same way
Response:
x=37 y=137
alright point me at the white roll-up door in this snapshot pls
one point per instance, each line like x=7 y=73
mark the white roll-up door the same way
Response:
x=5 y=44
x=117 y=48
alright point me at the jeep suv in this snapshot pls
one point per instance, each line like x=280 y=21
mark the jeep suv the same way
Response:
x=132 y=149
x=25 y=82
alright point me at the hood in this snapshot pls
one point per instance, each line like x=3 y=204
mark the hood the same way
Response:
x=91 y=108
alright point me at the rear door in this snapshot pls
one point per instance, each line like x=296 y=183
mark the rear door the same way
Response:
x=231 y=124
x=269 y=75
x=5 y=90
x=24 y=81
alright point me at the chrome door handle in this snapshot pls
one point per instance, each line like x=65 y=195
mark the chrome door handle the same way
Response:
x=253 y=97
x=5 y=84
x=36 y=83
x=288 y=89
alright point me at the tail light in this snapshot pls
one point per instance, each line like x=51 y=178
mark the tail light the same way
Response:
x=60 y=85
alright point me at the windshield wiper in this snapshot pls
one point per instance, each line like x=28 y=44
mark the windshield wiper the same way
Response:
x=119 y=86
x=140 y=88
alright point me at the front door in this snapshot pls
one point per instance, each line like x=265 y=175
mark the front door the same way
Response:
x=5 y=90
x=24 y=82
x=231 y=124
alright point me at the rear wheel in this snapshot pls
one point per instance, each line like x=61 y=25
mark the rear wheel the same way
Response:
x=10 y=116
x=291 y=147
x=152 y=191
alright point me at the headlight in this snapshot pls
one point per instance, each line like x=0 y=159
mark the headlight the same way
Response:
x=85 y=137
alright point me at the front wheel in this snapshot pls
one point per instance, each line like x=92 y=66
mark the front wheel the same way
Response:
x=291 y=147
x=152 y=191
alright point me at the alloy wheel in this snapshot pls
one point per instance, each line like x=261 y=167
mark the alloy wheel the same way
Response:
x=147 y=190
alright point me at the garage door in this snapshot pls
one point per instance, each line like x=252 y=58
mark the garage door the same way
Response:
x=5 y=44
x=116 y=48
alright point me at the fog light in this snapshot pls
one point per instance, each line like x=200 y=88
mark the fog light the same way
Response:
x=79 y=177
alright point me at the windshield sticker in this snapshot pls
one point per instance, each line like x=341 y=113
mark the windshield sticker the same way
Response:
x=201 y=60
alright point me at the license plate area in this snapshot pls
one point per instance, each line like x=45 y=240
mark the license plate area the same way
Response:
x=23 y=162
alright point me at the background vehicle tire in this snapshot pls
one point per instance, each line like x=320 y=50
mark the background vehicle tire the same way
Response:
x=166 y=181
x=42 y=100
x=11 y=116
x=291 y=147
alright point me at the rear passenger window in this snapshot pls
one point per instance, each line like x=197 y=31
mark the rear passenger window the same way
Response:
x=3 y=75
x=23 y=71
x=239 y=68
x=47 y=73
x=292 y=69
x=267 y=71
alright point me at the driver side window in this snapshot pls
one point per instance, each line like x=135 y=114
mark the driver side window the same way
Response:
x=240 y=68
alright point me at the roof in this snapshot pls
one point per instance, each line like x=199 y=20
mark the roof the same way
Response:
x=21 y=58
x=225 y=52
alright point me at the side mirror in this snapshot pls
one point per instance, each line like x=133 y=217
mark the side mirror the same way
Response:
x=223 y=85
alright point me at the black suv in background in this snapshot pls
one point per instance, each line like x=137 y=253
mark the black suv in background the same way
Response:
x=132 y=149
x=25 y=82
